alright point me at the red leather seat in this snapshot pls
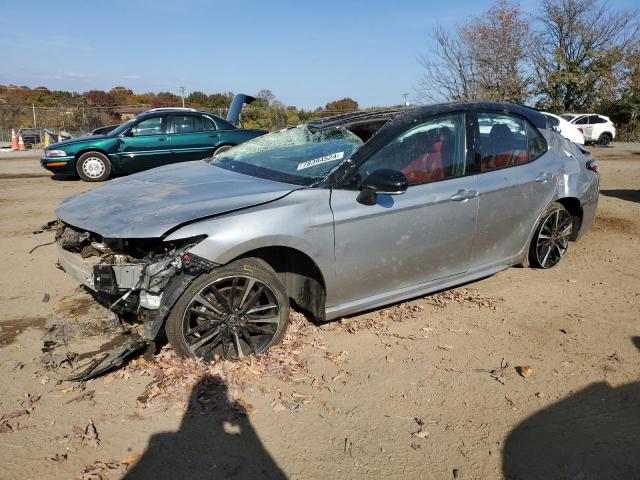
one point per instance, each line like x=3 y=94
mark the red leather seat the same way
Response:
x=500 y=149
x=426 y=167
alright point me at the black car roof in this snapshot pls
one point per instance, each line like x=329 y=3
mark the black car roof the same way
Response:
x=534 y=116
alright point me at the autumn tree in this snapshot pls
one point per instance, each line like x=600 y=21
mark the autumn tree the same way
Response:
x=483 y=58
x=343 y=105
x=579 y=52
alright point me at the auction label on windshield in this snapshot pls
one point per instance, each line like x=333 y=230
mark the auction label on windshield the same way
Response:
x=318 y=161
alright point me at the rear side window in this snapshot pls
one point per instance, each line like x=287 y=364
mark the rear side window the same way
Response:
x=552 y=121
x=507 y=140
x=596 y=119
x=187 y=124
x=209 y=126
x=536 y=143
x=582 y=121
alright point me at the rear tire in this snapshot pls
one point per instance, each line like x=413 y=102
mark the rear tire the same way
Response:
x=93 y=167
x=604 y=140
x=234 y=311
x=222 y=148
x=551 y=239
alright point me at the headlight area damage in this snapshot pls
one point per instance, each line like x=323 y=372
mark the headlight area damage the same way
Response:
x=136 y=277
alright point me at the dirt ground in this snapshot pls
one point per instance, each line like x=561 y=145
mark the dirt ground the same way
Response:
x=423 y=389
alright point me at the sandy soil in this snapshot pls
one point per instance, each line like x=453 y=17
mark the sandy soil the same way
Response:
x=412 y=391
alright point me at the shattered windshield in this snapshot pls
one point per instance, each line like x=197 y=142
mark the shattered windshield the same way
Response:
x=296 y=155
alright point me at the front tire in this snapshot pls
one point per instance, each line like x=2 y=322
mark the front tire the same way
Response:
x=93 y=167
x=551 y=238
x=236 y=310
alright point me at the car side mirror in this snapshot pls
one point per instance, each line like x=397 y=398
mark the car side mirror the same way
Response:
x=384 y=181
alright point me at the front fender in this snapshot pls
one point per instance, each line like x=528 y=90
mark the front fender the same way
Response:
x=301 y=220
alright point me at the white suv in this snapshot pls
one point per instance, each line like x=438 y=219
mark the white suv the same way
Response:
x=595 y=128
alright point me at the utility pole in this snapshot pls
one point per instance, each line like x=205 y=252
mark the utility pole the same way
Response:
x=182 y=94
x=33 y=109
x=405 y=99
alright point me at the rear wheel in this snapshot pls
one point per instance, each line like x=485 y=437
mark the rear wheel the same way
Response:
x=221 y=149
x=551 y=238
x=93 y=167
x=234 y=311
x=604 y=140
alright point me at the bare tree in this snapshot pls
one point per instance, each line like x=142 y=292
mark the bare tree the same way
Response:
x=496 y=43
x=579 y=52
x=449 y=69
x=483 y=58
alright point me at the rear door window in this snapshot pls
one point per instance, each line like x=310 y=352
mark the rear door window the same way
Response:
x=187 y=124
x=507 y=140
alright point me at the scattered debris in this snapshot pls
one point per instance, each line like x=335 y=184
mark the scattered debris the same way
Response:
x=337 y=358
x=15 y=414
x=103 y=470
x=88 y=435
x=5 y=427
x=615 y=357
x=58 y=457
x=422 y=433
x=28 y=401
x=46 y=298
x=462 y=296
x=497 y=373
x=87 y=395
x=524 y=371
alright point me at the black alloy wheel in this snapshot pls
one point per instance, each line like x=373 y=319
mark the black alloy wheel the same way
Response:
x=552 y=237
x=235 y=311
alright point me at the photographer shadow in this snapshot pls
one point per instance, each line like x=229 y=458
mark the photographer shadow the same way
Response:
x=592 y=434
x=215 y=441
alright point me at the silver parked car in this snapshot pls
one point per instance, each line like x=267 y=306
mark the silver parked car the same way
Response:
x=336 y=217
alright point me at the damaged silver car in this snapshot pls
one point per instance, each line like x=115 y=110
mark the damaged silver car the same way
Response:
x=334 y=217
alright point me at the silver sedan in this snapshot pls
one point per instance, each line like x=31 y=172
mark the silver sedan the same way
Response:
x=334 y=217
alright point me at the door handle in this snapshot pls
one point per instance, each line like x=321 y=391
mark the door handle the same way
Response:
x=213 y=135
x=162 y=139
x=543 y=177
x=464 y=195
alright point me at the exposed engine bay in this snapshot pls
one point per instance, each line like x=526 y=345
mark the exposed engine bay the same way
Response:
x=137 y=277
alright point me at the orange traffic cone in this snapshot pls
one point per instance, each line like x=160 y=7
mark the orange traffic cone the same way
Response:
x=14 y=140
x=21 y=146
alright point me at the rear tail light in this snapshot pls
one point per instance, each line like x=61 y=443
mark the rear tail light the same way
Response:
x=581 y=130
x=592 y=165
x=613 y=124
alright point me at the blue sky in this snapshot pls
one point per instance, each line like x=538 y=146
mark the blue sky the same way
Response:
x=307 y=53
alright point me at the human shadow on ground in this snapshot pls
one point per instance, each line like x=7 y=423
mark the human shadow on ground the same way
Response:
x=592 y=434
x=215 y=441
x=630 y=195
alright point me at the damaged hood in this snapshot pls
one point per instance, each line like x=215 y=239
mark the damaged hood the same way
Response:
x=148 y=204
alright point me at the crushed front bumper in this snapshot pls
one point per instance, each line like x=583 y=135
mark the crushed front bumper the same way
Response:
x=100 y=277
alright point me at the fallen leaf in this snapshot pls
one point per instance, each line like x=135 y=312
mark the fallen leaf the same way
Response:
x=58 y=457
x=524 y=371
x=422 y=433
x=131 y=459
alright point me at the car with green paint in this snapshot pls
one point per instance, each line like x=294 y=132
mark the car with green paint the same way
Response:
x=154 y=138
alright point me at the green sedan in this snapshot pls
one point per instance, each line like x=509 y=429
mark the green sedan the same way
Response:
x=154 y=138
